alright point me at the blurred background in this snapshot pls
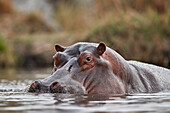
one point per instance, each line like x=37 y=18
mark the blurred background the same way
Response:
x=137 y=29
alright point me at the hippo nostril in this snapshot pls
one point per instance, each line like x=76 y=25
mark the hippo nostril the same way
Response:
x=35 y=86
x=57 y=88
x=54 y=85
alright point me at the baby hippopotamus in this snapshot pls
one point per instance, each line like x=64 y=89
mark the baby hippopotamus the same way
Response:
x=90 y=68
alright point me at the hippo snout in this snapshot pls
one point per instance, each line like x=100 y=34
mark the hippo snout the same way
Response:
x=38 y=87
x=56 y=87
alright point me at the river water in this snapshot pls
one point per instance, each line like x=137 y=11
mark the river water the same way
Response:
x=14 y=98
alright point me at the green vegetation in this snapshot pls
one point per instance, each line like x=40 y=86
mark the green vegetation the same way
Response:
x=138 y=30
x=3 y=46
x=6 y=56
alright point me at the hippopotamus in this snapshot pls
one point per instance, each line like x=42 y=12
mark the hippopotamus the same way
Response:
x=94 y=68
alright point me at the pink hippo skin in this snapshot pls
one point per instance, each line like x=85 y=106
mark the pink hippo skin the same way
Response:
x=90 y=68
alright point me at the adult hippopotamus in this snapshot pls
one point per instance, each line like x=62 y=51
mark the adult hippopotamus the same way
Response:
x=90 y=68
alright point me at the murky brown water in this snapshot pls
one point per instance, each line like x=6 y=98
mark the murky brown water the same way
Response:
x=14 y=99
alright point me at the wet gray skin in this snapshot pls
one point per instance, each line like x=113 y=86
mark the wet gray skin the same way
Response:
x=89 y=68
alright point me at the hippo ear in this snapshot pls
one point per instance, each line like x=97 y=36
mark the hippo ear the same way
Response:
x=101 y=48
x=59 y=48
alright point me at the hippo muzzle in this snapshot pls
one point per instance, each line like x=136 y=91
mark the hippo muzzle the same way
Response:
x=38 y=87
x=56 y=87
x=60 y=81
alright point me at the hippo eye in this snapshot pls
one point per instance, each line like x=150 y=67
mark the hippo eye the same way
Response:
x=88 y=59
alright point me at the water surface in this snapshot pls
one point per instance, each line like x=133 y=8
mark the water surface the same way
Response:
x=14 y=98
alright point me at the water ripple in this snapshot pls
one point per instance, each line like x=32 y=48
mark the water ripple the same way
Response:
x=14 y=98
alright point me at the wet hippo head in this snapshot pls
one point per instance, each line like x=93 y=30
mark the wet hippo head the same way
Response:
x=83 y=68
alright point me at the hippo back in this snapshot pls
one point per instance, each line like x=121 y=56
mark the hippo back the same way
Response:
x=155 y=75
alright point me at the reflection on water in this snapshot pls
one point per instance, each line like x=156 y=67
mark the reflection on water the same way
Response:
x=14 y=99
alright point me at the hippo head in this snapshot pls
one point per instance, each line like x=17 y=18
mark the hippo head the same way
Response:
x=80 y=68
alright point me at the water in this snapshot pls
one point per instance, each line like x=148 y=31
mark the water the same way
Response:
x=14 y=99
